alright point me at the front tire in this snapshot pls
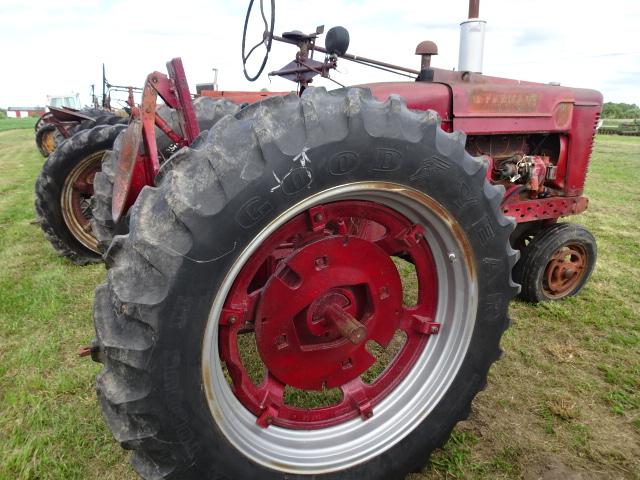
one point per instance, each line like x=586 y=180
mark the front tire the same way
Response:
x=220 y=251
x=556 y=263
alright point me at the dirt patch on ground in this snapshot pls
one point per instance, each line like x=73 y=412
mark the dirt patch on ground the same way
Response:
x=551 y=468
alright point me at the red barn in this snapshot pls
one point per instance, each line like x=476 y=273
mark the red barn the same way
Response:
x=24 y=112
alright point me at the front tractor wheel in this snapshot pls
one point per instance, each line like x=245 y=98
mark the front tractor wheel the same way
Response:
x=556 y=263
x=316 y=290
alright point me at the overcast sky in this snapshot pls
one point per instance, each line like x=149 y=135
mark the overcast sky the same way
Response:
x=56 y=47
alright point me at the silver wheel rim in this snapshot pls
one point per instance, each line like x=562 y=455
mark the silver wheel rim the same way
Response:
x=356 y=441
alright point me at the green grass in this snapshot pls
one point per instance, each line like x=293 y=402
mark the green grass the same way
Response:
x=17 y=123
x=566 y=394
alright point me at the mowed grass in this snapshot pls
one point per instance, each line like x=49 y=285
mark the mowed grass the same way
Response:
x=563 y=401
x=17 y=123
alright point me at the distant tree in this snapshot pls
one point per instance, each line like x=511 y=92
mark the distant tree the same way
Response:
x=3 y=113
x=620 y=110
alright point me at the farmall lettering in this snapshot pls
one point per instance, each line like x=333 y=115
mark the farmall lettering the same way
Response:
x=503 y=102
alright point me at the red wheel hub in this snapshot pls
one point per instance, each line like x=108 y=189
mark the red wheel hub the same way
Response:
x=317 y=294
x=296 y=319
x=565 y=270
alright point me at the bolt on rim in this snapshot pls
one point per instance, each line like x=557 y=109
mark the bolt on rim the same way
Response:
x=309 y=304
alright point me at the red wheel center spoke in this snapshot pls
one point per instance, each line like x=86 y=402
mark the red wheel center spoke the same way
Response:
x=315 y=294
x=565 y=269
x=327 y=269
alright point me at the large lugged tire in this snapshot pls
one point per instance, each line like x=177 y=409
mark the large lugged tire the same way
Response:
x=234 y=323
x=556 y=263
x=105 y=118
x=102 y=222
x=208 y=112
x=64 y=189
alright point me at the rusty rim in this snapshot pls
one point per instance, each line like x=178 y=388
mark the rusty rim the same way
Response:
x=75 y=199
x=48 y=140
x=565 y=271
x=318 y=291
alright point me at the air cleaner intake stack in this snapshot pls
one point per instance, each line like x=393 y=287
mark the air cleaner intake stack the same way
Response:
x=472 y=40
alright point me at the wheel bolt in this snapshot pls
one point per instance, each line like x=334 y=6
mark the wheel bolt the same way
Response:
x=318 y=217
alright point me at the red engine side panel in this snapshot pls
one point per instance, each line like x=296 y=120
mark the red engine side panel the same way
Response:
x=482 y=105
x=419 y=96
x=486 y=109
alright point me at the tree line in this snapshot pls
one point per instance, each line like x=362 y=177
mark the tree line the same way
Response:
x=620 y=110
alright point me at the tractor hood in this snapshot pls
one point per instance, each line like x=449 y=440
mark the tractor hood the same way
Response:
x=467 y=101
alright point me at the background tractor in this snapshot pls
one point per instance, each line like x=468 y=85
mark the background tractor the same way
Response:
x=65 y=115
x=60 y=123
x=255 y=322
x=65 y=187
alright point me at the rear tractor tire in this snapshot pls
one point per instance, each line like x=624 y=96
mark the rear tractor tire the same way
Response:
x=255 y=323
x=104 y=118
x=64 y=189
x=556 y=263
x=208 y=112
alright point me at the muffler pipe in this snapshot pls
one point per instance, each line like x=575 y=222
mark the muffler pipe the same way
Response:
x=472 y=40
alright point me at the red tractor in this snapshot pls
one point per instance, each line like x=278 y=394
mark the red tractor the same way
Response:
x=317 y=286
x=65 y=117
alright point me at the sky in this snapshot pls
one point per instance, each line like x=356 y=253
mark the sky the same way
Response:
x=57 y=47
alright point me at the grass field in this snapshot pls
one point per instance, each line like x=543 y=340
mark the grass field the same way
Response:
x=564 y=402
x=17 y=123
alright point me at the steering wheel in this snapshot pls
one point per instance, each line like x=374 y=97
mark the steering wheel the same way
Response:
x=267 y=38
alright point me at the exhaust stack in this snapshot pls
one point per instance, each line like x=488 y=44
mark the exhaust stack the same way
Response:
x=472 y=40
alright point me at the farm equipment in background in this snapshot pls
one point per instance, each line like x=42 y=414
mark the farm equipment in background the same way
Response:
x=65 y=186
x=153 y=135
x=65 y=116
x=58 y=124
x=255 y=323
x=627 y=129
